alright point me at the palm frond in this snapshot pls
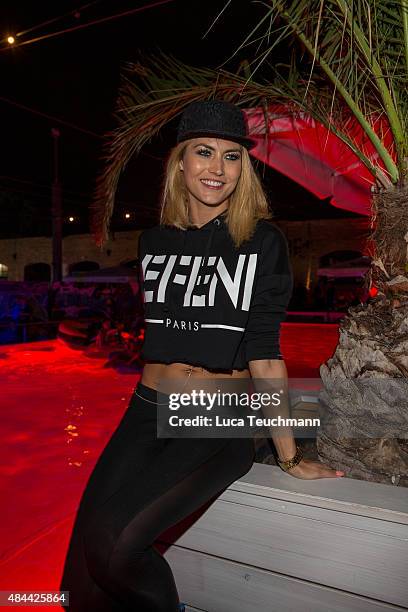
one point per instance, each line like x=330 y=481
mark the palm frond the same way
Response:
x=360 y=49
x=358 y=66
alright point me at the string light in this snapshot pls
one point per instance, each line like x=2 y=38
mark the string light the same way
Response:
x=127 y=216
x=95 y=22
x=71 y=219
x=76 y=13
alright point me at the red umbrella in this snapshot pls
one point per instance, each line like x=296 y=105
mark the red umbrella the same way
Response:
x=307 y=152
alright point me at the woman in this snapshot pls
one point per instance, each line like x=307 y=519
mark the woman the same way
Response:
x=216 y=280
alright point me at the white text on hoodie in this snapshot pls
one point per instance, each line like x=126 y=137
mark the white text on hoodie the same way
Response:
x=157 y=269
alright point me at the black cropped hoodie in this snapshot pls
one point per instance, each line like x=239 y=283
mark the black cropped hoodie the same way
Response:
x=207 y=303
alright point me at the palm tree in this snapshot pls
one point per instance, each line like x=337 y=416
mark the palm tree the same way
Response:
x=348 y=59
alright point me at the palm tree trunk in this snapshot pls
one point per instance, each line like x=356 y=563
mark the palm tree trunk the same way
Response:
x=364 y=401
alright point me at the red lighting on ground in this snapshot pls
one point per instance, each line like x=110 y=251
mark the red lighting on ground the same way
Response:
x=59 y=408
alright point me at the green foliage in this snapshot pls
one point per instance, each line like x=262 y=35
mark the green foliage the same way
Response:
x=357 y=49
x=347 y=59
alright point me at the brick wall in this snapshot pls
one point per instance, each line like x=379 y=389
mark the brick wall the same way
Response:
x=308 y=241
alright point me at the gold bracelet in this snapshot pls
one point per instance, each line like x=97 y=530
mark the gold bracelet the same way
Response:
x=290 y=463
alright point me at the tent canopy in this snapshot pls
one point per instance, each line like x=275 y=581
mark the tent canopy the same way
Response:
x=303 y=149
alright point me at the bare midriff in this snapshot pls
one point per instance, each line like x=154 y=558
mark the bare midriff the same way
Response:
x=154 y=372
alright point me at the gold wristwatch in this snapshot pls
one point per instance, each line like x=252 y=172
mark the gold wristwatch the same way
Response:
x=290 y=463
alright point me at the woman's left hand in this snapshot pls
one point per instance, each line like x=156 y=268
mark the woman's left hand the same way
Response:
x=307 y=469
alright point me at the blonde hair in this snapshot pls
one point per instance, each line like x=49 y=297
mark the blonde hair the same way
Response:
x=247 y=203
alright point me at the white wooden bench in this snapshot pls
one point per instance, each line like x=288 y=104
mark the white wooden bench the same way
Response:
x=272 y=542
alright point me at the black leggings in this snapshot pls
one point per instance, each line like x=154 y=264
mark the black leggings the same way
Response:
x=141 y=486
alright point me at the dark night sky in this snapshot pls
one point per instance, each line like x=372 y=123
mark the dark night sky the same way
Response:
x=75 y=77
